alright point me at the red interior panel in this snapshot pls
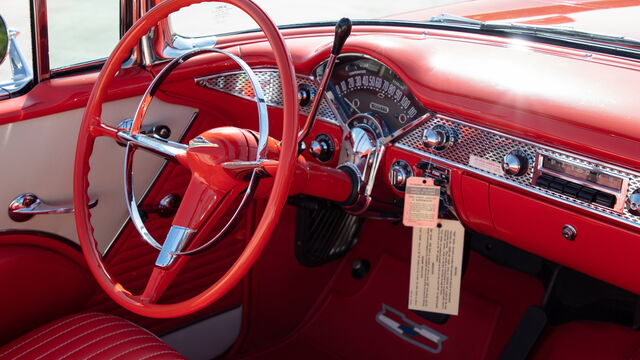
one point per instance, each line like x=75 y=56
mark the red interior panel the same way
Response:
x=600 y=249
x=475 y=203
x=42 y=279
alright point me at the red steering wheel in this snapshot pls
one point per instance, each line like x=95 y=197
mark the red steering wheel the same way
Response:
x=213 y=188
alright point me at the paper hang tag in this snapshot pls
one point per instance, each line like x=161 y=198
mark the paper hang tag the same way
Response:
x=421 y=201
x=436 y=268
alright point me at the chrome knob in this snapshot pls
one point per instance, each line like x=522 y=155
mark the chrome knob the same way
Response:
x=437 y=138
x=399 y=173
x=322 y=147
x=569 y=232
x=516 y=163
x=633 y=203
x=434 y=138
x=305 y=94
x=317 y=148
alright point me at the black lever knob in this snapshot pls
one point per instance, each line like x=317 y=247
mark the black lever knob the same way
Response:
x=343 y=30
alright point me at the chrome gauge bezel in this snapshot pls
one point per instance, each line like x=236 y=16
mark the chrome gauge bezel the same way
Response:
x=367 y=122
x=343 y=118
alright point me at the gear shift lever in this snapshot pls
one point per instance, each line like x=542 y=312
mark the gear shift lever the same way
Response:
x=343 y=30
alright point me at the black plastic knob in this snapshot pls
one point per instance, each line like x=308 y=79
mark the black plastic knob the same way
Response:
x=343 y=30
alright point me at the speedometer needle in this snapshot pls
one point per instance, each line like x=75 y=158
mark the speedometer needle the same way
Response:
x=352 y=106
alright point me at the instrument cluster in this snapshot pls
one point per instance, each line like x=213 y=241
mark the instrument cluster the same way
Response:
x=365 y=89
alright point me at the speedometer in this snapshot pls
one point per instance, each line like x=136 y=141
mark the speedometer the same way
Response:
x=361 y=85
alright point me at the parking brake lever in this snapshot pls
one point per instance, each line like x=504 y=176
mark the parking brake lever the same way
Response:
x=343 y=30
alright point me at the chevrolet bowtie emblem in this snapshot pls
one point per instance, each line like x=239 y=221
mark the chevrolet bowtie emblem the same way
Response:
x=200 y=141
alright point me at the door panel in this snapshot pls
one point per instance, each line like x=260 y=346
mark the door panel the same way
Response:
x=37 y=155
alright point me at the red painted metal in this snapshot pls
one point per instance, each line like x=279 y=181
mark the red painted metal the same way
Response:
x=600 y=249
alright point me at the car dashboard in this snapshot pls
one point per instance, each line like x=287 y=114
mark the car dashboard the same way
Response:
x=554 y=174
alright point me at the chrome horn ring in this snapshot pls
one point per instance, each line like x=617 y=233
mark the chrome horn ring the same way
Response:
x=263 y=123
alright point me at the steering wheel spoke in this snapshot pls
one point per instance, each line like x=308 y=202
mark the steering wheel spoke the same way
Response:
x=201 y=210
x=169 y=149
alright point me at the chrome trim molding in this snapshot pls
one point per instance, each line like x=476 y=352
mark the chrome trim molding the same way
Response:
x=237 y=83
x=177 y=238
x=153 y=182
x=40 y=36
x=492 y=145
x=172 y=149
x=24 y=206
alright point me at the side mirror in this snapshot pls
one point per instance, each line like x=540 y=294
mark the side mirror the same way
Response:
x=4 y=40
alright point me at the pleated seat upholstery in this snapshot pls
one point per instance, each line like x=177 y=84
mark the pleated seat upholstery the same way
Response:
x=89 y=336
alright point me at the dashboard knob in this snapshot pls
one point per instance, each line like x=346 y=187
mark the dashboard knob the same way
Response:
x=322 y=147
x=318 y=148
x=437 y=138
x=516 y=163
x=305 y=94
x=633 y=203
x=399 y=173
x=433 y=138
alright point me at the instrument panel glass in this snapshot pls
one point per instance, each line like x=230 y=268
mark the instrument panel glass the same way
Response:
x=362 y=85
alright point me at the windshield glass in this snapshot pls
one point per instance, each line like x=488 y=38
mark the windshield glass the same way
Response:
x=613 y=17
x=212 y=18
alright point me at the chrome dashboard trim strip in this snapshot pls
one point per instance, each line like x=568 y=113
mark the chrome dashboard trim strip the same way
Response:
x=492 y=145
x=235 y=83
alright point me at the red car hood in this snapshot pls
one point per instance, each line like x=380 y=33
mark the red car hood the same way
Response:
x=612 y=17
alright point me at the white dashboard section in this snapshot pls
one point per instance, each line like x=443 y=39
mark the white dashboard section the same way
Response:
x=37 y=156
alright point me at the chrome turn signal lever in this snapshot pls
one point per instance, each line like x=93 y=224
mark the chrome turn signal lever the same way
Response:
x=343 y=30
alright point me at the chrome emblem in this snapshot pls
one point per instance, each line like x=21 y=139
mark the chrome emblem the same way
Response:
x=199 y=141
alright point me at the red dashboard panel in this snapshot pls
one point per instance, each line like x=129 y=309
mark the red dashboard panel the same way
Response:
x=600 y=249
x=529 y=90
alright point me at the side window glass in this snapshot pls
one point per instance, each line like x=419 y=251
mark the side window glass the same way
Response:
x=81 y=31
x=15 y=71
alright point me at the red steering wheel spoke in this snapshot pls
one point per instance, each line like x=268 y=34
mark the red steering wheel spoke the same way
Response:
x=201 y=209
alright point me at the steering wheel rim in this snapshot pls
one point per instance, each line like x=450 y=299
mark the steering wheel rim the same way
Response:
x=92 y=127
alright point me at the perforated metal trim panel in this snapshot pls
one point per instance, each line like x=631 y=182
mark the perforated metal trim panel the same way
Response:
x=471 y=140
x=237 y=83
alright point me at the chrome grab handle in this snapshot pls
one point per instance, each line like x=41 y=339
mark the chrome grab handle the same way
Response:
x=25 y=206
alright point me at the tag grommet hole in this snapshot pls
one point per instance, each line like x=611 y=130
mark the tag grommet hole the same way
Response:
x=439 y=225
x=424 y=181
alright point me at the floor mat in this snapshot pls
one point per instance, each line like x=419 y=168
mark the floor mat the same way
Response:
x=492 y=300
x=342 y=324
